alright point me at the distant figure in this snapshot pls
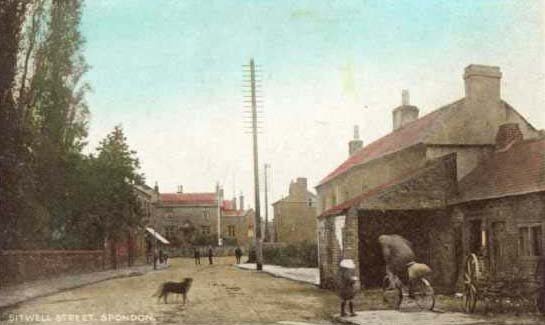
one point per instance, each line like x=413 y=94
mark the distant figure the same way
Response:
x=210 y=255
x=347 y=285
x=238 y=254
x=161 y=256
x=197 y=255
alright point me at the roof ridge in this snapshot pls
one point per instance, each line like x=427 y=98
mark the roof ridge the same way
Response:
x=411 y=128
x=386 y=186
x=445 y=108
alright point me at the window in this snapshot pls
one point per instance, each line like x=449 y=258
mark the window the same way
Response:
x=170 y=231
x=205 y=230
x=310 y=202
x=537 y=241
x=205 y=214
x=475 y=236
x=530 y=241
x=231 y=231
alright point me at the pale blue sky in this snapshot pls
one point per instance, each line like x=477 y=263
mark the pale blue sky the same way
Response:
x=170 y=73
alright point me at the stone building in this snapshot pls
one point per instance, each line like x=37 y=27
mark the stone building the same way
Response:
x=295 y=214
x=198 y=218
x=500 y=205
x=237 y=223
x=408 y=182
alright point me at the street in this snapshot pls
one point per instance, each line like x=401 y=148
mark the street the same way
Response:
x=221 y=294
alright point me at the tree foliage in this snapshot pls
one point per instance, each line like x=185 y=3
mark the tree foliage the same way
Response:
x=51 y=194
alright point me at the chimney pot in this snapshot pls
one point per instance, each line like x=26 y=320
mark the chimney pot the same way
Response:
x=180 y=189
x=355 y=144
x=241 y=201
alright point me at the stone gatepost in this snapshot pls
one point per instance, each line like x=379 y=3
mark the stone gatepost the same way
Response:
x=351 y=239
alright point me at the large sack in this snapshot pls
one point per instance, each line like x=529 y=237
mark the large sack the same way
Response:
x=418 y=270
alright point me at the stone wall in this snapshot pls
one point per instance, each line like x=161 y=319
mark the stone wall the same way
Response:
x=338 y=238
x=294 y=221
x=500 y=221
x=418 y=203
x=17 y=266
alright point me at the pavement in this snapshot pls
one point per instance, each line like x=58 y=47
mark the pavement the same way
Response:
x=394 y=317
x=16 y=294
x=302 y=274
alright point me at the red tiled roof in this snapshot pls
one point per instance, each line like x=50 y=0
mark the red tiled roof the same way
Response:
x=227 y=205
x=188 y=198
x=517 y=170
x=234 y=213
x=229 y=211
x=410 y=134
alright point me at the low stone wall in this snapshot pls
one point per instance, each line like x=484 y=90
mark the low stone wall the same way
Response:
x=17 y=266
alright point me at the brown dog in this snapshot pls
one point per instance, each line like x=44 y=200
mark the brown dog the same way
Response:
x=181 y=288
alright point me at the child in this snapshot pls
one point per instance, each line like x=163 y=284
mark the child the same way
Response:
x=347 y=285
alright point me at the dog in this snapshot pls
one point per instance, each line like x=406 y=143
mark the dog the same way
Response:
x=181 y=288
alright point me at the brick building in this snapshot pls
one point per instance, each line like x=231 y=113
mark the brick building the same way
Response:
x=295 y=214
x=411 y=182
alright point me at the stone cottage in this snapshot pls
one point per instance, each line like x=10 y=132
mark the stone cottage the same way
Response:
x=410 y=182
x=295 y=214
x=237 y=223
x=183 y=216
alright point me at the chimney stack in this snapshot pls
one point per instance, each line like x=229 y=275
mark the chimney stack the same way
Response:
x=180 y=189
x=508 y=134
x=234 y=203
x=482 y=82
x=355 y=144
x=156 y=188
x=241 y=201
x=406 y=113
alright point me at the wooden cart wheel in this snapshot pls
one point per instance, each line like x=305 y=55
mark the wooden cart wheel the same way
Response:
x=540 y=294
x=471 y=274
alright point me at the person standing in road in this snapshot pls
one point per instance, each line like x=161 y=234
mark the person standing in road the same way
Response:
x=210 y=255
x=238 y=254
x=197 y=255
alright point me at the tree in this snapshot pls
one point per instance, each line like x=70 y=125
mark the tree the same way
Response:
x=52 y=105
x=115 y=210
x=15 y=155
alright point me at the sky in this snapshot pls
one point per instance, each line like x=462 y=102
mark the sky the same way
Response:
x=170 y=72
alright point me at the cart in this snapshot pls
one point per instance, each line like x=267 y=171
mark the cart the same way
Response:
x=516 y=289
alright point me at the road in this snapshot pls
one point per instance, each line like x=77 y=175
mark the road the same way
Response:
x=221 y=294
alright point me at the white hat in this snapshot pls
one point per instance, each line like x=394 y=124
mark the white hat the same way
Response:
x=348 y=264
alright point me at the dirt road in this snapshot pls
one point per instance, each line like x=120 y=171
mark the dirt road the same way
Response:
x=221 y=294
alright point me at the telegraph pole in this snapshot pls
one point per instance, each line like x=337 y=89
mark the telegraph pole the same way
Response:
x=253 y=106
x=267 y=234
